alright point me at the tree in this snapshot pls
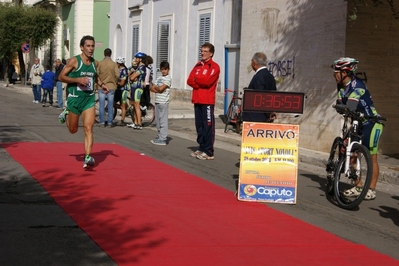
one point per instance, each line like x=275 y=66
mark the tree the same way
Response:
x=358 y=3
x=21 y=24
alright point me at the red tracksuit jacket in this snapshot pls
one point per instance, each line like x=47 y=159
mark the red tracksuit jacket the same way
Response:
x=203 y=79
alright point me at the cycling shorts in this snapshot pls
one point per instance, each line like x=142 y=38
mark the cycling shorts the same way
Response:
x=78 y=104
x=125 y=93
x=371 y=136
x=117 y=95
x=135 y=94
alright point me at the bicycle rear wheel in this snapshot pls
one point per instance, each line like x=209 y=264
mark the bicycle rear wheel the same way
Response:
x=229 y=116
x=360 y=159
x=333 y=159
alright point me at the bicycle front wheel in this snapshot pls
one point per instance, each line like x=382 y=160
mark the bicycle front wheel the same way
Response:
x=351 y=186
x=333 y=159
x=148 y=115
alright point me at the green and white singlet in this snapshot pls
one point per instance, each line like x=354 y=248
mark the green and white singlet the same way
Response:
x=90 y=71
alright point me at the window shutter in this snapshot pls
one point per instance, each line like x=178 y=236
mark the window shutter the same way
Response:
x=204 y=31
x=135 y=40
x=163 y=43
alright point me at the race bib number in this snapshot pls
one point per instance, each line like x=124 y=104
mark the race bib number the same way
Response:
x=88 y=87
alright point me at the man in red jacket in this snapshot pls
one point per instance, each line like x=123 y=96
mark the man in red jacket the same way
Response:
x=203 y=79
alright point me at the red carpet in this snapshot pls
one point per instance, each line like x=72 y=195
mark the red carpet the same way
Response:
x=143 y=212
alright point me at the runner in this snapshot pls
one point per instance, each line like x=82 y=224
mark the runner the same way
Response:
x=80 y=73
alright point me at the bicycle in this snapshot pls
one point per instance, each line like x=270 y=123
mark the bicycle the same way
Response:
x=147 y=111
x=234 y=112
x=349 y=163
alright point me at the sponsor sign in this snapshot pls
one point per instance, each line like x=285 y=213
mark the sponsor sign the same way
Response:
x=269 y=163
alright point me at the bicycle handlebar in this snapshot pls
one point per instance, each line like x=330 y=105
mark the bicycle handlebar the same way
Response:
x=342 y=109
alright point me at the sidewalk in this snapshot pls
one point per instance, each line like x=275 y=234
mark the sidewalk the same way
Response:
x=178 y=110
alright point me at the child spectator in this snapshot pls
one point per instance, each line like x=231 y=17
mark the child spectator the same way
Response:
x=47 y=84
x=162 y=95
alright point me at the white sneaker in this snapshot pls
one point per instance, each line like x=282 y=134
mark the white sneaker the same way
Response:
x=371 y=194
x=131 y=125
x=353 y=192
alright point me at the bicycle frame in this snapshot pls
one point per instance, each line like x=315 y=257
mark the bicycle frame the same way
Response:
x=234 y=112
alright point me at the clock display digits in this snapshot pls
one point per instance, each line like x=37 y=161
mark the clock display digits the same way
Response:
x=273 y=101
x=258 y=100
x=296 y=102
x=276 y=101
x=288 y=101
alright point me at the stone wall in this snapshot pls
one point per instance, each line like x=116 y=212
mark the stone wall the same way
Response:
x=301 y=39
x=373 y=39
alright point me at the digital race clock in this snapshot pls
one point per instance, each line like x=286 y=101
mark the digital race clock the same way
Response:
x=273 y=101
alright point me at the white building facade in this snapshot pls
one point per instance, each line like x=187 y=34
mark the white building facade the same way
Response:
x=301 y=39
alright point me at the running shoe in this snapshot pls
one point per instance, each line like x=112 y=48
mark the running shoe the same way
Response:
x=139 y=127
x=62 y=116
x=131 y=125
x=195 y=153
x=353 y=192
x=371 y=194
x=204 y=156
x=89 y=162
x=158 y=142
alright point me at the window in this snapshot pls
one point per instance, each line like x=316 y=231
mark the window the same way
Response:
x=163 y=43
x=135 y=40
x=204 y=31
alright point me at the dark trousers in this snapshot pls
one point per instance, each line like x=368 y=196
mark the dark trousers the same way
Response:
x=205 y=126
x=145 y=97
x=50 y=96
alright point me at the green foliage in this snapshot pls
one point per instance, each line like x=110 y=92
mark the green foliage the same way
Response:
x=24 y=23
x=375 y=3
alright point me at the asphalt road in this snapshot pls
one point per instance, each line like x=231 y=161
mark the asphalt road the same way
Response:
x=35 y=231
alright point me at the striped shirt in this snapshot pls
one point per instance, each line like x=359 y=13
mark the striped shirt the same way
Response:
x=165 y=95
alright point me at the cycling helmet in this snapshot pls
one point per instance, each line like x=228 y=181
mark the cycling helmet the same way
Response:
x=120 y=60
x=140 y=55
x=345 y=64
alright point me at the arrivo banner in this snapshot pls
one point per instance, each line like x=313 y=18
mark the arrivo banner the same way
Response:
x=269 y=163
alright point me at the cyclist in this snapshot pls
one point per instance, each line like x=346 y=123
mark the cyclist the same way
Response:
x=353 y=93
x=123 y=89
x=137 y=78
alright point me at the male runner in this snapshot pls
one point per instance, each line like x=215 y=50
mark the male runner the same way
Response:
x=80 y=74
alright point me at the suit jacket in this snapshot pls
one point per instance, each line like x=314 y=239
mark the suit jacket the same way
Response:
x=262 y=80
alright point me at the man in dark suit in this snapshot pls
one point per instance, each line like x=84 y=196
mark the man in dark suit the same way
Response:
x=262 y=80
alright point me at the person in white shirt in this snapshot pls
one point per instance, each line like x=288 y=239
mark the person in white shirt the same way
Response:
x=162 y=97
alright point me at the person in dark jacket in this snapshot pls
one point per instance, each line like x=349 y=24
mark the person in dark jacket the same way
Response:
x=58 y=84
x=10 y=74
x=262 y=80
x=47 y=85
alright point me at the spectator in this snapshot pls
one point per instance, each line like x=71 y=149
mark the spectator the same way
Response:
x=203 y=79
x=261 y=81
x=137 y=78
x=81 y=98
x=146 y=99
x=123 y=88
x=162 y=96
x=11 y=74
x=58 y=84
x=47 y=84
x=108 y=72
x=35 y=78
